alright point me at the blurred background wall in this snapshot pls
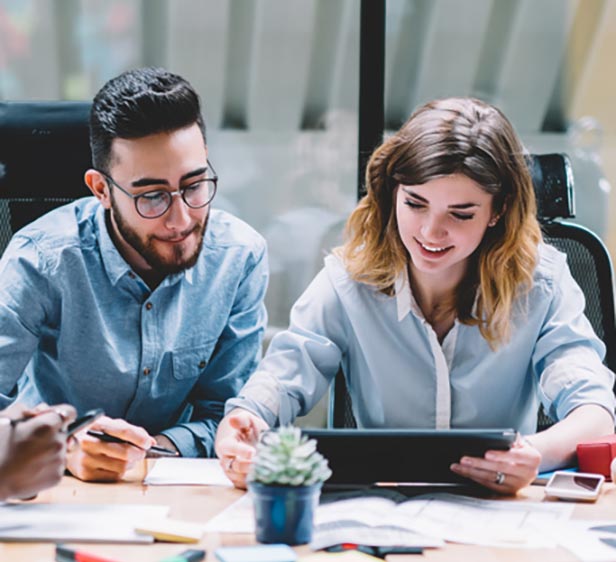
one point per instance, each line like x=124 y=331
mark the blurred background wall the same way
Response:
x=279 y=82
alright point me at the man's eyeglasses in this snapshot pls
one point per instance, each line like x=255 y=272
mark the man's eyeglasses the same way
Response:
x=155 y=203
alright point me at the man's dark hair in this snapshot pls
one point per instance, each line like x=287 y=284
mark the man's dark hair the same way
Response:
x=138 y=103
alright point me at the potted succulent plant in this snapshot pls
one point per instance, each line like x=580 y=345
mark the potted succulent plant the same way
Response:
x=285 y=482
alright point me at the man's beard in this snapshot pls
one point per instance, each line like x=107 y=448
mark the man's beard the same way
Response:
x=146 y=248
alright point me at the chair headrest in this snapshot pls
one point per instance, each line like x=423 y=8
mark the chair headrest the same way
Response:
x=44 y=149
x=553 y=182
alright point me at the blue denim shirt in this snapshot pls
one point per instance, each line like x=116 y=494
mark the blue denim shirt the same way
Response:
x=77 y=325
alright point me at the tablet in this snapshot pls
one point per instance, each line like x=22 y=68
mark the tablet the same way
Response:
x=369 y=456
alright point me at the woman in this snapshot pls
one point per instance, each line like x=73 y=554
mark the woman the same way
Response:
x=444 y=308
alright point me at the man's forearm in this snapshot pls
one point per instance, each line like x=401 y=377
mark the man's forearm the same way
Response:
x=166 y=443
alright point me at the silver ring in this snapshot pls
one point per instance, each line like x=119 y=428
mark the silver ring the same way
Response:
x=230 y=464
x=500 y=478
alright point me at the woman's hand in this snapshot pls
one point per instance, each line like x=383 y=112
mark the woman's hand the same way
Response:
x=505 y=472
x=236 y=438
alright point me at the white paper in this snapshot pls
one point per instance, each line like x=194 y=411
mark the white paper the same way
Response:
x=379 y=521
x=487 y=522
x=239 y=517
x=76 y=522
x=584 y=539
x=172 y=471
x=369 y=520
x=423 y=521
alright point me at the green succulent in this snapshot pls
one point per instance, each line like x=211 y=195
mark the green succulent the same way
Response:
x=285 y=457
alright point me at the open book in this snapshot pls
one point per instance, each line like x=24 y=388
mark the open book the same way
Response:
x=427 y=521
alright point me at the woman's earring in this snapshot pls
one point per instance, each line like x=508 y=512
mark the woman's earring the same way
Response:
x=493 y=221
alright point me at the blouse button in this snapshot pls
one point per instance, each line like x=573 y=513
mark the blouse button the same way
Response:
x=146 y=371
x=201 y=364
x=148 y=306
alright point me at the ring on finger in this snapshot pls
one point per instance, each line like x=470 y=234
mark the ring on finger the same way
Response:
x=500 y=478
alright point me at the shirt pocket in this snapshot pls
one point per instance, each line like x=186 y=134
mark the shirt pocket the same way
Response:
x=190 y=362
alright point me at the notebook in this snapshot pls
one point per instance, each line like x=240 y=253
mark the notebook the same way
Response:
x=368 y=456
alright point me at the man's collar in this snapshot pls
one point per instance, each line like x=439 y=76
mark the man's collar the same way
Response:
x=116 y=266
x=114 y=263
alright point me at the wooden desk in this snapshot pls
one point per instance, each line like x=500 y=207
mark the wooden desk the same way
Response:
x=200 y=503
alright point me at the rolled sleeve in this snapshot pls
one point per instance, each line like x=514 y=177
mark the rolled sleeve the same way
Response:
x=568 y=354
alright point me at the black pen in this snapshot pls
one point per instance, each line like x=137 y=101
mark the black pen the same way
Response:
x=112 y=439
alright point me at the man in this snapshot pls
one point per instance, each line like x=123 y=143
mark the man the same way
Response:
x=32 y=448
x=141 y=301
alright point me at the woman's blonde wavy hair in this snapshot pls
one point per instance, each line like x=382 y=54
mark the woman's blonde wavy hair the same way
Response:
x=445 y=137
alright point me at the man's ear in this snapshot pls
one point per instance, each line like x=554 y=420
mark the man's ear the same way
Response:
x=98 y=186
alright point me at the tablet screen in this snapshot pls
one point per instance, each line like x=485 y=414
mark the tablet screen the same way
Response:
x=368 y=456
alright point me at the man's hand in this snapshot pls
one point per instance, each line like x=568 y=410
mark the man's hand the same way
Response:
x=91 y=459
x=32 y=451
x=236 y=438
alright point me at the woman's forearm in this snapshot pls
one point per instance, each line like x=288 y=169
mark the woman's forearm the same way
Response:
x=557 y=443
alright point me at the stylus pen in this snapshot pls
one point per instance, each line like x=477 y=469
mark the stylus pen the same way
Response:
x=113 y=439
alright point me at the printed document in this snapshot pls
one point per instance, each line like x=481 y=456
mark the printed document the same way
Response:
x=441 y=517
x=588 y=540
x=425 y=521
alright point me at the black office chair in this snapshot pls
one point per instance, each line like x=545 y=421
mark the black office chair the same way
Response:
x=587 y=257
x=44 y=152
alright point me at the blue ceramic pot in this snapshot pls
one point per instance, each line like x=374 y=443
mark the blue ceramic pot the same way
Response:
x=284 y=514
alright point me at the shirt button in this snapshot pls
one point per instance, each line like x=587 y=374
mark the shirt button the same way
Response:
x=131 y=275
x=201 y=364
x=146 y=371
x=148 y=306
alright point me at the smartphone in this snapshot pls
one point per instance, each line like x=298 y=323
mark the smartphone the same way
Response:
x=581 y=486
x=84 y=421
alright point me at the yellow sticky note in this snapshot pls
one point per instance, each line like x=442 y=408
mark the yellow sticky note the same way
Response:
x=172 y=530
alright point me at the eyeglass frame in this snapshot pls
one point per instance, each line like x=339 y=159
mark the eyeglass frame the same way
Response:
x=180 y=191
